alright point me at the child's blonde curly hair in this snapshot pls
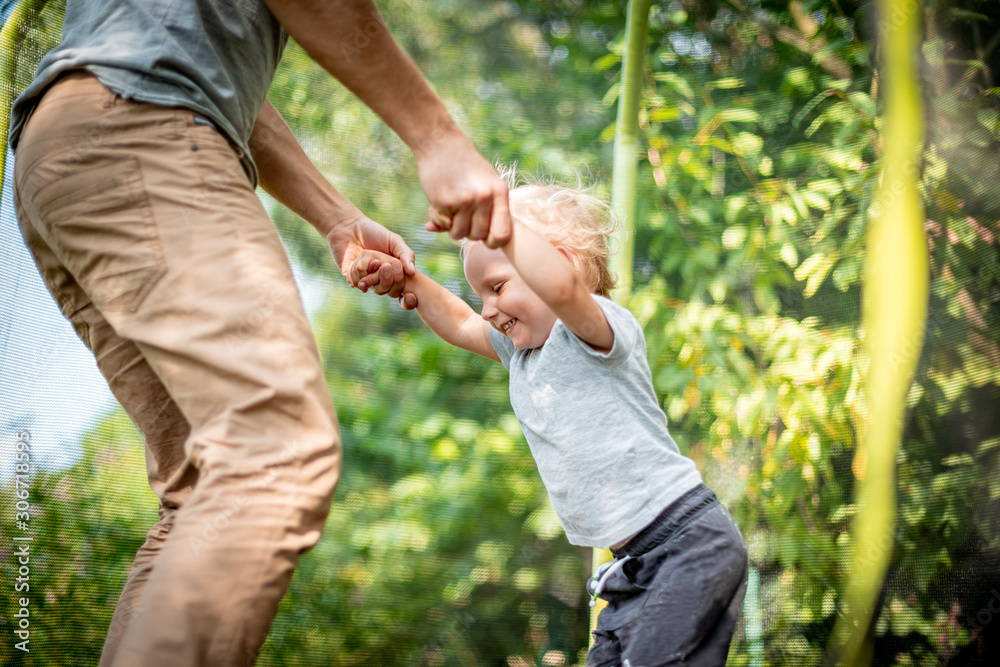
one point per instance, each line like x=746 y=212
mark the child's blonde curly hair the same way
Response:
x=567 y=217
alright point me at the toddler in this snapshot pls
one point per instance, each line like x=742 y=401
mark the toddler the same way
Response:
x=581 y=389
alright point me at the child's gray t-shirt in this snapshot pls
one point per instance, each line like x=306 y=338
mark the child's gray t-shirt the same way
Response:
x=596 y=429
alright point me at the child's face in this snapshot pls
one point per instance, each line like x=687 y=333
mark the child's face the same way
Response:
x=509 y=305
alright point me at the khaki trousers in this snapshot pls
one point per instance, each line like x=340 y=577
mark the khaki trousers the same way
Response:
x=152 y=241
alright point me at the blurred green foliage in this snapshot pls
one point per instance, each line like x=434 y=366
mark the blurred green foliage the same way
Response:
x=761 y=126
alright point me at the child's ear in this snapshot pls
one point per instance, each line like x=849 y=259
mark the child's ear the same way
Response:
x=568 y=255
x=573 y=258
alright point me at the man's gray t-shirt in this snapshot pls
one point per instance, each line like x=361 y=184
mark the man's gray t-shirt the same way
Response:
x=214 y=57
x=596 y=430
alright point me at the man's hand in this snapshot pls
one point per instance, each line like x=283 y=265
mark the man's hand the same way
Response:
x=288 y=175
x=348 y=242
x=459 y=182
x=468 y=198
x=447 y=315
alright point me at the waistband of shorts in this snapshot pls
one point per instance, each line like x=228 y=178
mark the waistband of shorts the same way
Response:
x=670 y=521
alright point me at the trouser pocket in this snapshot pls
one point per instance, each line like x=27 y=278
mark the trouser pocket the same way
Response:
x=99 y=222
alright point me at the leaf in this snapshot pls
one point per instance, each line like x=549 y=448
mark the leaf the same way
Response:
x=784 y=211
x=842 y=513
x=816 y=124
x=735 y=205
x=958 y=460
x=831 y=187
x=798 y=202
x=664 y=114
x=990 y=119
x=818 y=276
x=611 y=96
x=987 y=445
x=739 y=115
x=746 y=144
x=809 y=106
x=959 y=14
x=934 y=50
x=847 y=273
x=608 y=133
x=606 y=61
x=734 y=237
x=816 y=200
x=675 y=83
x=814 y=271
x=789 y=256
x=728 y=82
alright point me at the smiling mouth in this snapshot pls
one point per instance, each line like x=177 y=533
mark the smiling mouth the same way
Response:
x=507 y=325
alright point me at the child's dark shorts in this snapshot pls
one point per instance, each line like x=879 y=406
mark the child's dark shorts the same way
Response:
x=676 y=602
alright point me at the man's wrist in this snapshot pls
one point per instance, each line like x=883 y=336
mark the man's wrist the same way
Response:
x=436 y=136
x=333 y=222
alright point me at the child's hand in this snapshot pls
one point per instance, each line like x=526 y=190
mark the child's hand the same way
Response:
x=364 y=272
x=383 y=272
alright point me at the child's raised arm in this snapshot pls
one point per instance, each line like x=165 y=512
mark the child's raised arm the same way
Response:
x=447 y=315
x=551 y=275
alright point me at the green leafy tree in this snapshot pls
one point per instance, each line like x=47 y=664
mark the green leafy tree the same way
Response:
x=763 y=140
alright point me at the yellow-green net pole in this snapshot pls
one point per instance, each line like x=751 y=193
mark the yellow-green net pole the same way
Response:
x=626 y=154
x=11 y=36
x=623 y=182
x=894 y=317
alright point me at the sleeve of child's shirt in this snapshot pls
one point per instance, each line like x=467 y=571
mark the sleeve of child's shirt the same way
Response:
x=504 y=348
x=624 y=326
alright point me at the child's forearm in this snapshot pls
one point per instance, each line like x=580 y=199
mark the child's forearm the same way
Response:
x=548 y=272
x=444 y=313
x=440 y=310
x=449 y=317
x=553 y=277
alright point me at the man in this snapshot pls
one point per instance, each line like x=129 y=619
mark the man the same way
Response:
x=138 y=147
